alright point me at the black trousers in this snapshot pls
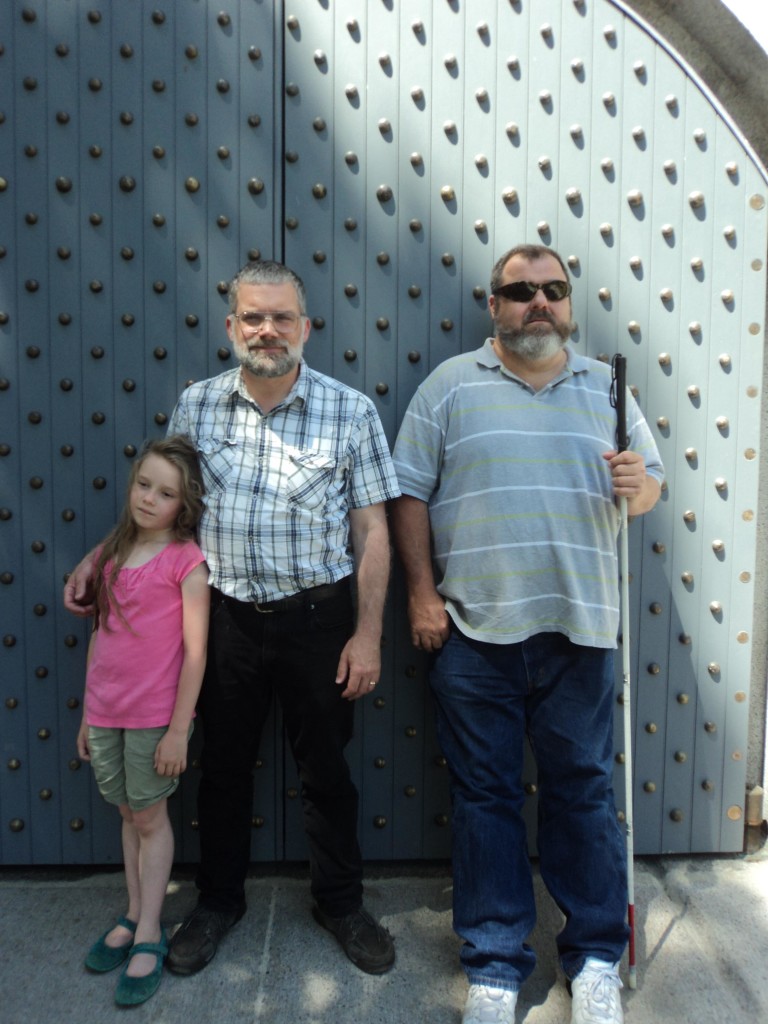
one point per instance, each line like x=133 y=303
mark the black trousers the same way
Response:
x=295 y=655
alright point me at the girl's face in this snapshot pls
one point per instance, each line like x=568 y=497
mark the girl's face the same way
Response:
x=155 y=497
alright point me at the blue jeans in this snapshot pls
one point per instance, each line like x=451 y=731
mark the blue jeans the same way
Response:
x=561 y=694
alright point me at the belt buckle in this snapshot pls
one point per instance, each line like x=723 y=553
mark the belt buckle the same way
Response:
x=263 y=611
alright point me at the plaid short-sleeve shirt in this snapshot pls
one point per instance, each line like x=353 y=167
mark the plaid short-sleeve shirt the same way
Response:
x=280 y=485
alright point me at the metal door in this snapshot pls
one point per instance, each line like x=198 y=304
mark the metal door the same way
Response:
x=389 y=152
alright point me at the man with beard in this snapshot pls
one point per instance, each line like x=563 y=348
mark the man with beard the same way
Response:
x=507 y=532
x=297 y=472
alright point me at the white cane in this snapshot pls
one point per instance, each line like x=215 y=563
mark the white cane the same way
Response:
x=619 y=399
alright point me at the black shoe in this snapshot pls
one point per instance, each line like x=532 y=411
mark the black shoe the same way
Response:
x=195 y=943
x=367 y=943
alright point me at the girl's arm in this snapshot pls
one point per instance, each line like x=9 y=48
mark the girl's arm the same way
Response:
x=83 y=750
x=171 y=752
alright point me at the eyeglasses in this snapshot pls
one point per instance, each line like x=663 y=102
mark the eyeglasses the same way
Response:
x=283 y=323
x=524 y=291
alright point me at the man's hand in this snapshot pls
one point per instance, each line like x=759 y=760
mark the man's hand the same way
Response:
x=630 y=481
x=430 y=624
x=78 y=590
x=359 y=666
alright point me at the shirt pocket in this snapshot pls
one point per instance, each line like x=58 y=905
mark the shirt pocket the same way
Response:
x=309 y=479
x=218 y=458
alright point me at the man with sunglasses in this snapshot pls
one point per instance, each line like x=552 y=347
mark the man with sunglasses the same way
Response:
x=507 y=531
x=297 y=472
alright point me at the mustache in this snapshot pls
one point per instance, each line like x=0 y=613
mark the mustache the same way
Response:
x=538 y=316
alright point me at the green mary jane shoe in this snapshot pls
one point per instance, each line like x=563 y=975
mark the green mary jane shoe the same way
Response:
x=132 y=991
x=102 y=958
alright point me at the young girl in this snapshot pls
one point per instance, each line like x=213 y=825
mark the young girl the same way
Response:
x=145 y=667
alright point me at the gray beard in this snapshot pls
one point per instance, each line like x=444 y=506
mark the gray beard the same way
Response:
x=533 y=346
x=261 y=365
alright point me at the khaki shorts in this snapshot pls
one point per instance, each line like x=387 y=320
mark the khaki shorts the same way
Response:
x=123 y=765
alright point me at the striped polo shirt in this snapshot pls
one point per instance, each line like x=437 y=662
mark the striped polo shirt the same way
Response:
x=522 y=512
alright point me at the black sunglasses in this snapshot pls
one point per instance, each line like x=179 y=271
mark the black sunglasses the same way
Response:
x=524 y=291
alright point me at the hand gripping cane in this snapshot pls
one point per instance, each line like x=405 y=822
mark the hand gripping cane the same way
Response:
x=619 y=400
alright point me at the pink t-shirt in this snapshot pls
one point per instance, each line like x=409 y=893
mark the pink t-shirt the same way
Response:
x=133 y=675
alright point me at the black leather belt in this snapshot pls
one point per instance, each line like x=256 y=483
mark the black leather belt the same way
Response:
x=295 y=602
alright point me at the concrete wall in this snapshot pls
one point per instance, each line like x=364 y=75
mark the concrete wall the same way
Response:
x=722 y=53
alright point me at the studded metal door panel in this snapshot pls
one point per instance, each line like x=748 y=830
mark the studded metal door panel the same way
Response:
x=390 y=151
x=139 y=157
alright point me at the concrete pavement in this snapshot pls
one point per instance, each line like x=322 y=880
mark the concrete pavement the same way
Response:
x=702 y=935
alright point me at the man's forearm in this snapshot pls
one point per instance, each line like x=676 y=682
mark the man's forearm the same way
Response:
x=410 y=526
x=370 y=543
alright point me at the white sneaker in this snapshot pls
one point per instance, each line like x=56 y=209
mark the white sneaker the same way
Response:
x=486 y=1005
x=595 y=991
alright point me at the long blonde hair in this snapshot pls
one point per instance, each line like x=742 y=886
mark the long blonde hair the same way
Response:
x=179 y=451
